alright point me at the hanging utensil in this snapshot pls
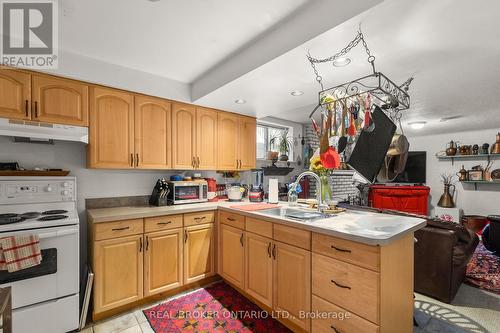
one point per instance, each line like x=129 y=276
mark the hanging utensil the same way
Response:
x=351 y=131
x=369 y=124
x=343 y=139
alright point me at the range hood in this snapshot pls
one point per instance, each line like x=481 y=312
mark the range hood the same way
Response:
x=43 y=131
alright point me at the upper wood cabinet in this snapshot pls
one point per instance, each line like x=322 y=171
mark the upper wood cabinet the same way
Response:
x=60 y=101
x=198 y=252
x=111 y=129
x=183 y=136
x=228 y=141
x=15 y=94
x=152 y=133
x=206 y=139
x=232 y=266
x=248 y=143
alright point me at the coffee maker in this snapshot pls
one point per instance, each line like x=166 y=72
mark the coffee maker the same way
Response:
x=256 y=193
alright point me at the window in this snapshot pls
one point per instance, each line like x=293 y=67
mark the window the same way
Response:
x=264 y=135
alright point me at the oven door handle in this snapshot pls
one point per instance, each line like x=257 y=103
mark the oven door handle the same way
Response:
x=58 y=233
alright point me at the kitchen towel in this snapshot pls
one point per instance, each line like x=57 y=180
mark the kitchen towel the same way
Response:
x=254 y=207
x=19 y=252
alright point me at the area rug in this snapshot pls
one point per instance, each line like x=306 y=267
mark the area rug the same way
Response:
x=483 y=271
x=216 y=308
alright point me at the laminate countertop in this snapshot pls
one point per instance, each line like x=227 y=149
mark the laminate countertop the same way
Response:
x=359 y=226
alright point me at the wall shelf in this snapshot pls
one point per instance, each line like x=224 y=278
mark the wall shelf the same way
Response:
x=475 y=182
x=469 y=157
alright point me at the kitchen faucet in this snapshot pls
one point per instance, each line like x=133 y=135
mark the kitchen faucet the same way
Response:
x=321 y=206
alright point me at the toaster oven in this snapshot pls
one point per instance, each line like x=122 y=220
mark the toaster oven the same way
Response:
x=181 y=192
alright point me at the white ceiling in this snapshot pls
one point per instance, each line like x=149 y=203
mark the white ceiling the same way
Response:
x=255 y=50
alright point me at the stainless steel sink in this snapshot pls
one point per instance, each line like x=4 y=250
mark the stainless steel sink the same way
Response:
x=294 y=213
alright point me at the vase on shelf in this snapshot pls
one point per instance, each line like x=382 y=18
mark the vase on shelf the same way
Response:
x=446 y=200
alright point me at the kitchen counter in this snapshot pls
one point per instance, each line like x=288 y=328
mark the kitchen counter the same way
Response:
x=364 y=227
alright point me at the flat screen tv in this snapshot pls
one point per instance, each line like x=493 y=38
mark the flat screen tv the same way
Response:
x=415 y=170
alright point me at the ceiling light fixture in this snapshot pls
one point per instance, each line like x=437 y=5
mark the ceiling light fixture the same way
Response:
x=240 y=101
x=297 y=93
x=341 y=62
x=417 y=124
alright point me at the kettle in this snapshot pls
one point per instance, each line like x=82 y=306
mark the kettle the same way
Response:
x=462 y=174
x=235 y=192
x=495 y=149
x=451 y=150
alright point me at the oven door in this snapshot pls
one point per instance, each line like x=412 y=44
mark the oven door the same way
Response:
x=55 y=277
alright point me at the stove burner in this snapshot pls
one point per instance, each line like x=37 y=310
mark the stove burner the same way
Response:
x=8 y=215
x=52 y=217
x=10 y=218
x=30 y=215
x=55 y=212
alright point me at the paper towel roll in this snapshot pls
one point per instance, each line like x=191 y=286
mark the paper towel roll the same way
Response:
x=273 y=190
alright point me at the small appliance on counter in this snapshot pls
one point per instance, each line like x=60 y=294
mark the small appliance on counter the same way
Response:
x=212 y=189
x=256 y=192
x=160 y=192
x=181 y=192
x=235 y=192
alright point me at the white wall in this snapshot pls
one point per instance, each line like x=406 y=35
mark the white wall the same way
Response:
x=486 y=199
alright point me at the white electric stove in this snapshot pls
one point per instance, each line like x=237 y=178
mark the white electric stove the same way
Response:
x=45 y=298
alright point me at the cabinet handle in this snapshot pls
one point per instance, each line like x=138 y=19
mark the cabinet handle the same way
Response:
x=36 y=109
x=334 y=329
x=147 y=243
x=185 y=236
x=136 y=160
x=131 y=160
x=164 y=223
x=241 y=239
x=274 y=251
x=269 y=249
x=26 y=107
x=340 y=285
x=140 y=244
x=231 y=219
x=192 y=162
x=340 y=250
x=198 y=158
x=120 y=229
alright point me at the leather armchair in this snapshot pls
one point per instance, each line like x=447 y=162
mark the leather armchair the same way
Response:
x=442 y=252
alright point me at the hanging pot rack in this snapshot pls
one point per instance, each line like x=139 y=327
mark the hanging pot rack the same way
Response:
x=391 y=97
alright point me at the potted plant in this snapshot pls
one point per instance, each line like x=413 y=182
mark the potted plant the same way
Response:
x=284 y=144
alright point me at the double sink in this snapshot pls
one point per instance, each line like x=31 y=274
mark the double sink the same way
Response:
x=295 y=213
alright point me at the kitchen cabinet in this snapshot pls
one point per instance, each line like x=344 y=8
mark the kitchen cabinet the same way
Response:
x=111 y=129
x=232 y=266
x=206 y=139
x=183 y=136
x=15 y=94
x=237 y=142
x=198 y=252
x=292 y=282
x=247 y=143
x=152 y=133
x=162 y=261
x=118 y=266
x=259 y=268
x=60 y=101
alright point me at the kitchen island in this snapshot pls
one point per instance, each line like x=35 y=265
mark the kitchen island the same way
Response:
x=351 y=272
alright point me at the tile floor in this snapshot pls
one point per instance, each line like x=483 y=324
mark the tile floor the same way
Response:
x=473 y=310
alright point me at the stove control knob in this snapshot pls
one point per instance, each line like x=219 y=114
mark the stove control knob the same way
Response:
x=65 y=193
x=65 y=184
x=49 y=189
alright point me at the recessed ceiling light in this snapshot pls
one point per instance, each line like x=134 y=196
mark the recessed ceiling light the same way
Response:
x=240 y=101
x=341 y=62
x=417 y=124
x=297 y=93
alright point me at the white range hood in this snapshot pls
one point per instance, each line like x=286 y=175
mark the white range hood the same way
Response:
x=37 y=131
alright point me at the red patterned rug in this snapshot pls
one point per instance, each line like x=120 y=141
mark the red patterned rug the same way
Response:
x=216 y=308
x=483 y=271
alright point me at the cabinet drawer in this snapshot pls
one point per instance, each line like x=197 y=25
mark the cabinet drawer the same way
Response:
x=351 y=287
x=259 y=227
x=292 y=236
x=115 y=229
x=198 y=218
x=355 y=253
x=234 y=220
x=159 y=223
x=340 y=320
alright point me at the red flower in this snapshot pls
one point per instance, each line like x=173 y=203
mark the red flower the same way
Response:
x=330 y=159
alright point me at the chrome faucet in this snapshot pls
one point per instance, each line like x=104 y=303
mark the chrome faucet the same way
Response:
x=319 y=189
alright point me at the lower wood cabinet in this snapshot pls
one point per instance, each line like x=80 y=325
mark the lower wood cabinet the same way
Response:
x=162 y=261
x=259 y=268
x=198 y=252
x=233 y=255
x=118 y=266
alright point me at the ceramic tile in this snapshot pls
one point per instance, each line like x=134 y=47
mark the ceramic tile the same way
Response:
x=117 y=324
x=87 y=330
x=133 y=329
x=139 y=315
x=146 y=328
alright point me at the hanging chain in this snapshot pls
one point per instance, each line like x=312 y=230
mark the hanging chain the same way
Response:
x=353 y=43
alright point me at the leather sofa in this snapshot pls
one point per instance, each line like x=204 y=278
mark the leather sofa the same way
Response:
x=491 y=234
x=442 y=252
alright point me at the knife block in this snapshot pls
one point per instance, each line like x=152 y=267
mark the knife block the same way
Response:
x=155 y=200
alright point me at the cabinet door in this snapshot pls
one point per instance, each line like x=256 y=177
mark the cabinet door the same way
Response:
x=292 y=282
x=228 y=141
x=15 y=94
x=259 y=268
x=60 y=101
x=232 y=264
x=111 y=129
x=118 y=266
x=198 y=252
x=183 y=136
x=206 y=139
x=152 y=133
x=162 y=261
x=248 y=143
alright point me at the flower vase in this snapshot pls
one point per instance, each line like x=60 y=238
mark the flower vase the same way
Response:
x=326 y=189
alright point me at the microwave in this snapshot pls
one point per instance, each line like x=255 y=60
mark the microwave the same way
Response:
x=181 y=192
